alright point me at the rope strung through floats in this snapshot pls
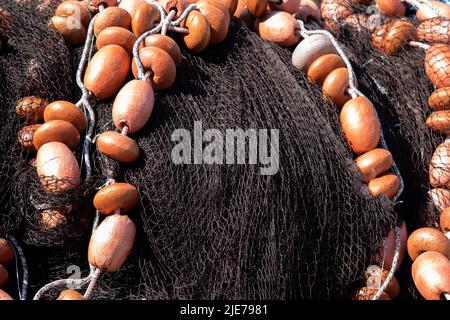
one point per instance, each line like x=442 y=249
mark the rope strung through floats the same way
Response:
x=166 y=22
x=354 y=92
x=83 y=102
x=418 y=3
x=92 y=283
x=69 y=283
x=420 y=45
x=425 y=47
x=183 y=16
x=156 y=29
x=163 y=27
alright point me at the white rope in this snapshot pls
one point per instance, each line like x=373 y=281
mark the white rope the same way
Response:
x=89 y=112
x=393 y=267
x=184 y=15
x=162 y=27
x=420 y=45
x=156 y=29
x=351 y=81
x=92 y=284
x=167 y=21
x=74 y=283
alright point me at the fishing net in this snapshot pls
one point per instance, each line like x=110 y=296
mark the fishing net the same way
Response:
x=204 y=231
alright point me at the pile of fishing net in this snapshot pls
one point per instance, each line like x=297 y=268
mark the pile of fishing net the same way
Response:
x=204 y=231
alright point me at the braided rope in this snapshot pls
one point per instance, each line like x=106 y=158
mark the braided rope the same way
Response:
x=354 y=92
x=156 y=29
x=420 y=45
x=393 y=267
x=184 y=15
x=164 y=25
x=74 y=283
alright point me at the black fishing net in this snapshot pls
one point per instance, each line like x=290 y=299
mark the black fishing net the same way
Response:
x=26 y=71
x=204 y=231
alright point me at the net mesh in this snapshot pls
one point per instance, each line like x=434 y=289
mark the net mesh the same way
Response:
x=36 y=62
x=435 y=30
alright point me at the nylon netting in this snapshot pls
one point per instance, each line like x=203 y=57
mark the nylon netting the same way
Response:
x=204 y=231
